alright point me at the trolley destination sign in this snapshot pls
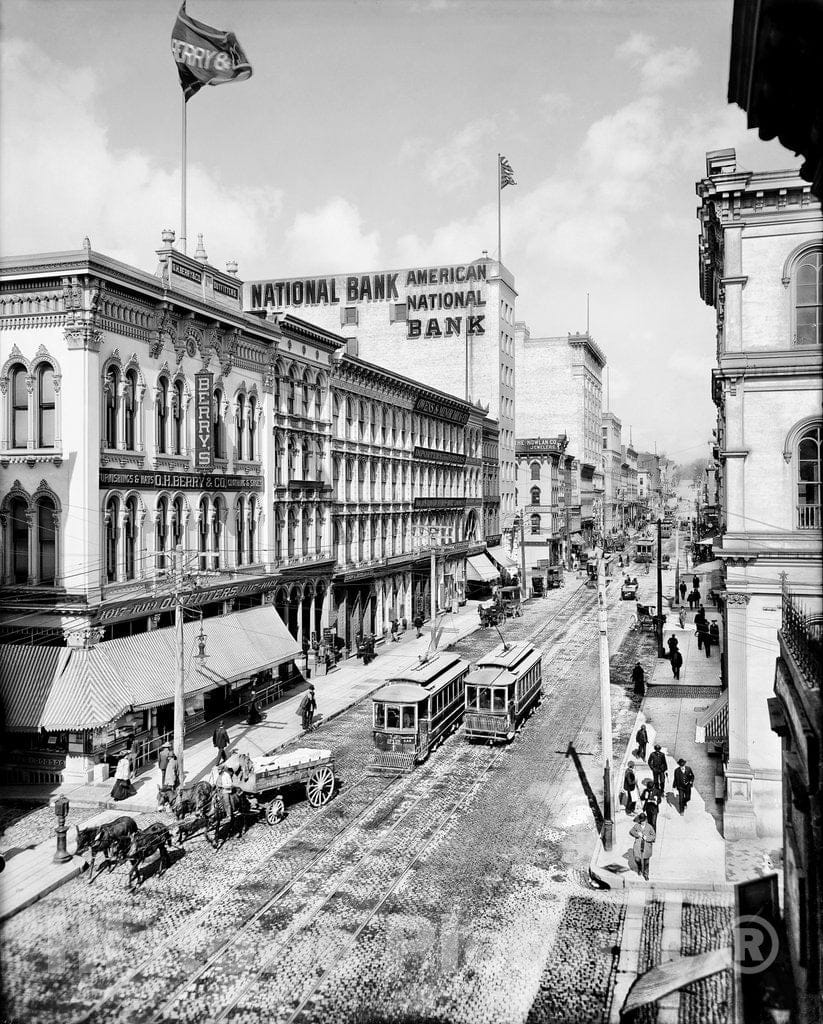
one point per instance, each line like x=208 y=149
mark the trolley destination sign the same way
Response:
x=178 y=481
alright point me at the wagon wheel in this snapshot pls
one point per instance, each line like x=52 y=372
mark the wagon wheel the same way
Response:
x=275 y=810
x=320 y=786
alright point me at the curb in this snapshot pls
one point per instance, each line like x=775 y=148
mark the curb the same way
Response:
x=77 y=869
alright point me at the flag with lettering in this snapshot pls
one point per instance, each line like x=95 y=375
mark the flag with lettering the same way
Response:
x=205 y=55
x=506 y=173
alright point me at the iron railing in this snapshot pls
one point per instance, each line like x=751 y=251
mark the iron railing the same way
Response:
x=801 y=632
x=808 y=517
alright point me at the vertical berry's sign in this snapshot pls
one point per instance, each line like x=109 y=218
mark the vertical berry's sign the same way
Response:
x=204 y=421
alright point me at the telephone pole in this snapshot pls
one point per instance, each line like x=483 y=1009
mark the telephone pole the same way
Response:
x=180 y=671
x=659 y=630
x=607 y=835
x=522 y=556
x=433 y=588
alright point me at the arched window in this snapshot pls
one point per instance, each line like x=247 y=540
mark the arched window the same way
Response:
x=304 y=461
x=252 y=426
x=112 y=525
x=348 y=417
x=251 y=525
x=19 y=529
x=292 y=530
x=808 y=480
x=361 y=420
x=203 y=535
x=162 y=414
x=290 y=394
x=176 y=522
x=535 y=493
x=45 y=406
x=239 y=532
x=161 y=538
x=130 y=538
x=535 y=468
x=177 y=418
x=46 y=541
x=130 y=410
x=19 y=408
x=217 y=424
x=112 y=398
x=217 y=530
x=535 y=523
x=240 y=424
x=808 y=299
x=306 y=399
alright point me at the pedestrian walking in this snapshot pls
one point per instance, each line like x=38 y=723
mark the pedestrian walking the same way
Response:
x=673 y=644
x=644 y=836
x=659 y=766
x=702 y=632
x=123 y=788
x=677 y=663
x=162 y=760
x=694 y=599
x=683 y=589
x=650 y=802
x=226 y=786
x=683 y=782
x=254 y=716
x=714 y=632
x=131 y=753
x=394 y=636
x=629 y=786
x=220 y=739
x=696 y=583
x=642 y=738
x=171 y=781
x=307 y=707
x=418 y=625
x=639 y=679
x=707 y=640
x=682 y=617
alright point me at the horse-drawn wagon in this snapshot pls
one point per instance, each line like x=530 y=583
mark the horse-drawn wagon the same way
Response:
x=268 y=776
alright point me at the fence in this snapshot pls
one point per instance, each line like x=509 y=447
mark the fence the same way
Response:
x=802 y=634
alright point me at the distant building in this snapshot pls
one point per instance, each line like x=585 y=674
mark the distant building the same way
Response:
x=560 y=391
x=551 y=527
x=761 y=269
x=612 y=455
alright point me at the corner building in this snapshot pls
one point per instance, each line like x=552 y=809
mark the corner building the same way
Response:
x=761 y=269
x=450 y=327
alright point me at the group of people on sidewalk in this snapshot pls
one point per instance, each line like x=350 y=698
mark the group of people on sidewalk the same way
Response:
x=644 y=830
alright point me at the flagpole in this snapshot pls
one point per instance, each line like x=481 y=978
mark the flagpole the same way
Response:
x=499 y=190
x=183 y=181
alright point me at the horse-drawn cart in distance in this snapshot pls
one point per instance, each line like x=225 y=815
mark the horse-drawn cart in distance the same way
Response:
x=304 y=766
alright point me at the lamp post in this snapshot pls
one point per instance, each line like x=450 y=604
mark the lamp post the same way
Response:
x=659 y=627
x=61 y=810
x=607 y=834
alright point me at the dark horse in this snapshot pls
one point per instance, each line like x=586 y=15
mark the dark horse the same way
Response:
x=110 y=839
x=154 y=839
x=216 y=815
x=192 y=801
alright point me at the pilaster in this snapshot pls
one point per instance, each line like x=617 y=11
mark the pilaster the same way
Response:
x=738 y=812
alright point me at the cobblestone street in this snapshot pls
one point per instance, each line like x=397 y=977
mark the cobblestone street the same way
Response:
x=457 y=893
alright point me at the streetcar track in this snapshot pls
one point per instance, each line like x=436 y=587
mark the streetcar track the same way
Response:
x=247 y=925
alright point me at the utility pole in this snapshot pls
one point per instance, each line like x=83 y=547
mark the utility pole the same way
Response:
x=659 y=630
x=433 y=588
x=607 y=835
x=677 y=561
x=179 y=675
x=522 y=556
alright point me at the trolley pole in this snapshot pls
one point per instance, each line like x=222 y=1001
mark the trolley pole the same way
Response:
x=659 y=630
x=522 y=556
x=179 y=697
x=433 y=588
x=607 y=835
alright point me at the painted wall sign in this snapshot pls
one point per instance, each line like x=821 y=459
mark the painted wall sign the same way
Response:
x=229 y=290
x=435 y=455
x=443 y=411
x=149 y=480
x=538 y=445
x=189 y=273
x=204 y=425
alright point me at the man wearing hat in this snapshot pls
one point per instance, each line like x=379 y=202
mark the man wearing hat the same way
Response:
x=644 y=836
x=162 y=763
x=683 y=782
x=659 y=766
x=307 y=707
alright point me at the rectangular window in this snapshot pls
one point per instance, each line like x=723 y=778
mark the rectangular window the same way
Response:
x=392 y=718
x=499 y=699
x=408 y=718
x=379 y=715
x=348 y=316
x=471 y=696
x=398 y=313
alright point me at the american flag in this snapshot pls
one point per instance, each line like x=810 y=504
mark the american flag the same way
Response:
x=506 y=173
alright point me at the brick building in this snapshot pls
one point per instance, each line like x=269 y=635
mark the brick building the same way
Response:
x=544 y=492
x=449 y=327
x=560 y=391
x=761 y=269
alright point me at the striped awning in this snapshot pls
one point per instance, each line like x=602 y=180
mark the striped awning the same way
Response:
x=100 y=684
x=26 y=676
x=480 y=569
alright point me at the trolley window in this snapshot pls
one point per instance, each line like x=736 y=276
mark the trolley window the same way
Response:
x=471 y=696
x=392 y=718
x=408 y=717
x=485 y=698
x=379 y=715
x=499 y=699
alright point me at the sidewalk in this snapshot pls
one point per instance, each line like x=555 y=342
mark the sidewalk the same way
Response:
x=689 y=852
x=31 y=873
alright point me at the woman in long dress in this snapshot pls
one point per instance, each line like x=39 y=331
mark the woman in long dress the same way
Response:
x=123 y=787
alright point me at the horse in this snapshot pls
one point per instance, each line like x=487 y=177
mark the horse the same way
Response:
x=216 y=814
x=104 y=838
x=156 y=838
x=192 y=801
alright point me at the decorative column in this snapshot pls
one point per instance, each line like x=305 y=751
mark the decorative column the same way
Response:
x=34 y=568
x=141 y=555
x=122 y=517
x=140 y=426
x=121 y=413
x=31 y=417
x=211 y=554
x=738 y=812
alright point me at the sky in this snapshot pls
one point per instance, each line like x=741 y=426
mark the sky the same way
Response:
x=367 y=139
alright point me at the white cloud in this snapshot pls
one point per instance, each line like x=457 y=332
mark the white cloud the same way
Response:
x=455 y=165
x=551 y=104
x=659 y=69
x=330 y=238
x=55 y=148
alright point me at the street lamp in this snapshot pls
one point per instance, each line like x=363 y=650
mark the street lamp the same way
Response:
x=61 y=810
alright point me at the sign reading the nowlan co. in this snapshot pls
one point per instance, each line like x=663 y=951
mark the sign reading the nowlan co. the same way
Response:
x=457 y=291
x=203 y=422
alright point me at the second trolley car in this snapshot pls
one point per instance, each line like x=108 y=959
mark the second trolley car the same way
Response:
x=501 y=690
x=415 y=710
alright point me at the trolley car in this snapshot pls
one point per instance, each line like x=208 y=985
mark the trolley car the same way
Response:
x=415 y=710
x=644 y=551
x=501 y=690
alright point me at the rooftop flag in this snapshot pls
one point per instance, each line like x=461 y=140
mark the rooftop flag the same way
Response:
x=205 y=55
x=506 y=173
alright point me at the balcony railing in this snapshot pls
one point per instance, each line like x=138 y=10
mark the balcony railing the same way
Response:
x=802 y=635
x=808 y=517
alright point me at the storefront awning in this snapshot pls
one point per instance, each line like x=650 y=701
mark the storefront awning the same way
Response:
x=98 y=685
x=576 y=538
x=499 y=554
x=480 y=570
x=26 y=677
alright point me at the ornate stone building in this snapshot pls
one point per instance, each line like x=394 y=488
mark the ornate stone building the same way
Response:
x=761 y=269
